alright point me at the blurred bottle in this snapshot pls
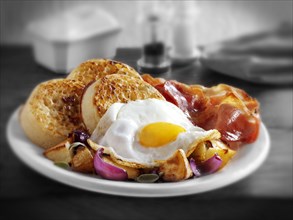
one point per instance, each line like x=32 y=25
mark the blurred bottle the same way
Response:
x=183 y=45
x=154 y=58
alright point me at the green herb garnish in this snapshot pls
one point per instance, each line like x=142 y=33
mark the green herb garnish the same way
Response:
x=147 y=178
x=62 y=164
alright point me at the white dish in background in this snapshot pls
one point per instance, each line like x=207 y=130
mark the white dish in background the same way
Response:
x=246 y=161
x=63 y=41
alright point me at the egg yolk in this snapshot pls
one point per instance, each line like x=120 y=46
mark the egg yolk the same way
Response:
x=158 y=134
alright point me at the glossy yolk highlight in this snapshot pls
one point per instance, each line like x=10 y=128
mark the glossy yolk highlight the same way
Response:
x=159 y=133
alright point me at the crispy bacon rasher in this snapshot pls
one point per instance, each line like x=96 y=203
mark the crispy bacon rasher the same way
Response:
x=225 y=108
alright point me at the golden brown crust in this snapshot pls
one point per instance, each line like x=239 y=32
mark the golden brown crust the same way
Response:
x=100 y=95
x=52 y=112
x=95 y=69
x=122 y=89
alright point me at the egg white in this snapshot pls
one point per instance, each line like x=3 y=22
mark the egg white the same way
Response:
x=119 y=127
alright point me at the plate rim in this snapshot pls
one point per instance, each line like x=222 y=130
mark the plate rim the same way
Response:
x=129 y=189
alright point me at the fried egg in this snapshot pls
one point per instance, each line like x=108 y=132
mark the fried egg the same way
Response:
x=147 y=131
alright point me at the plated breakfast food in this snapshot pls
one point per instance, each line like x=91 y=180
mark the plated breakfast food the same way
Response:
x=107 y=120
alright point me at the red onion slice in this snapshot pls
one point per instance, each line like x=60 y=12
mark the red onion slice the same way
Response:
x=211 y=165
x=194 y=168
x=106 y=170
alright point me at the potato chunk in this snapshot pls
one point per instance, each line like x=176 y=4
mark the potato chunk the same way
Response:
x=199 y=154
x=222 y=150
x=83 y=160
x=59 y=152
x=208 y=149
x=176 y=168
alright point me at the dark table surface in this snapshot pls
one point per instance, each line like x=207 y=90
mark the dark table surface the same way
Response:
x=267 y=193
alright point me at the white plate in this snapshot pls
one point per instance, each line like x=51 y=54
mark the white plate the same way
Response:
x=246 y=161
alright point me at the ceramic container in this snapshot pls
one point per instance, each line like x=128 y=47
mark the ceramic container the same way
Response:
x=63 y=41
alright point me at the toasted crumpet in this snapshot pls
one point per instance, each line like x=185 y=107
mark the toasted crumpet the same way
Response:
x=52 y=112
x=101 y=94
x=95 y=69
